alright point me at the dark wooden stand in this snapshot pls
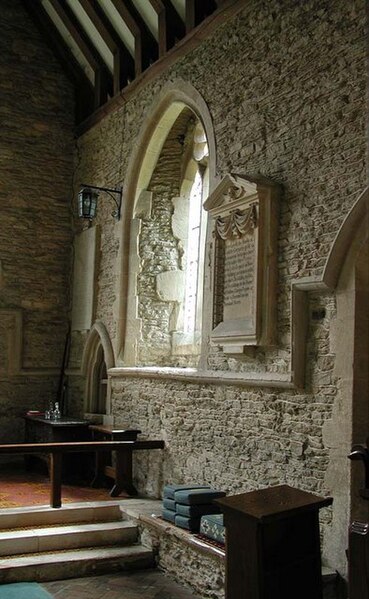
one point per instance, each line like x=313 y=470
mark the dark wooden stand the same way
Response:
x=272 y=544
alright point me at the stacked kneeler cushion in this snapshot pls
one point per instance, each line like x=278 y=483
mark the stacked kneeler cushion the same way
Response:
x=169 y=504
x=183 y=505
x=170 y=490
x=196 y=511
x=191 y=504
x=212 y=526
x=197 y=496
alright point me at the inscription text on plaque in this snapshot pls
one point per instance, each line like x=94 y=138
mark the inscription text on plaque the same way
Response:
x=239 y=277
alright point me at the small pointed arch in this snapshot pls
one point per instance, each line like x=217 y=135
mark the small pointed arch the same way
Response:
x=351 y=234
x=98 y=357
x=173 y=100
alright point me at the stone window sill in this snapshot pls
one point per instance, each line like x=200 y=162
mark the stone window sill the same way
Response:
x=192 y=375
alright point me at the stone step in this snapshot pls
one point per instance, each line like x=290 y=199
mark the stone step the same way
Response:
x=57 y=538
x=73 y=563
x=46 y=516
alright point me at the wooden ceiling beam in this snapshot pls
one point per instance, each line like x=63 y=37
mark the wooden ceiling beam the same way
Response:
x=197 y=11
x=74 y=32
x=103 y=87
x=123 y=60
x=146 y=47
x=135 y=31
x=57 y=43
x=84 y=90
x=227 y=10
x=171 y=26
x=91 y=9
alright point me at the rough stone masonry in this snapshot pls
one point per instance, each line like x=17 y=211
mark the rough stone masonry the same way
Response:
x=285 y=85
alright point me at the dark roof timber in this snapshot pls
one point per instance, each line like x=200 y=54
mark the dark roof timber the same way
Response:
x=115 y=83
x=92 y=9
x=171 y=26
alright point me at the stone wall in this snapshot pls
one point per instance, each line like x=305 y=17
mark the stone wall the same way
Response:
x=190 y=564
x=36 y=166
x=234 y=438
x=285 y=83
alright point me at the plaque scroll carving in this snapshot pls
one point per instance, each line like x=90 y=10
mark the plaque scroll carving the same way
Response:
x=237 y=223
x=244 y=218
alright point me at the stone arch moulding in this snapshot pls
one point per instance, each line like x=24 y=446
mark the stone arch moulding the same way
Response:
x=167 y=106
x=346 y=237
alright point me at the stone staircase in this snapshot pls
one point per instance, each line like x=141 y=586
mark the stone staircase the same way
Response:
x=40 y=543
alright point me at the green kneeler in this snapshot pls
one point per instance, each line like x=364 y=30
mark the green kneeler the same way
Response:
x=196 y=511
x=212 y=526
x=170 y=490
x=191 y=524
x=197 y=496
x=168 y=515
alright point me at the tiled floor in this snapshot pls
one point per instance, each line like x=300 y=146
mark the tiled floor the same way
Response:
x=145 y=584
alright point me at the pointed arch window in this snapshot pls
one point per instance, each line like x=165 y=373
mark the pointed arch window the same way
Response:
x=168 y=243
x=187 y=337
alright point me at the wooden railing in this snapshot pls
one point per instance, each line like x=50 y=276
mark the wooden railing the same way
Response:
x=123 y=449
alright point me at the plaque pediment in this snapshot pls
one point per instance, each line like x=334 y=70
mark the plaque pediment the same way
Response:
x=244 y=220
x=234 y=190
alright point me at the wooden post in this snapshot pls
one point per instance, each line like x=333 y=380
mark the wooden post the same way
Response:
x=56 y=460
x=123 y=474
x=101 y=459
x=272 y=544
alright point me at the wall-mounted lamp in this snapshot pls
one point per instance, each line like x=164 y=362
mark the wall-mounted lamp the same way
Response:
x=87 y=200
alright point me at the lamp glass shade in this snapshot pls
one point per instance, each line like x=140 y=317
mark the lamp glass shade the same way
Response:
x=87 y=203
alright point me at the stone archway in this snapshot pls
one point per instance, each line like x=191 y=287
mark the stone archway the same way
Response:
x=347 y=272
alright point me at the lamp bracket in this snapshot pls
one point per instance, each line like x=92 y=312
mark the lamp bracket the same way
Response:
x=118 y=201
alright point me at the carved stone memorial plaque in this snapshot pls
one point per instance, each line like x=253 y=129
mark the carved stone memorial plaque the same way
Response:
x=244 y=221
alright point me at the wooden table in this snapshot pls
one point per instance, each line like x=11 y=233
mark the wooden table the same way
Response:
x=122 y=471
x=42 y=430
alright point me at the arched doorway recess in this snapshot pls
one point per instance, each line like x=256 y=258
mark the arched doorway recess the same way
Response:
x=98 y=357
x=347 y=272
